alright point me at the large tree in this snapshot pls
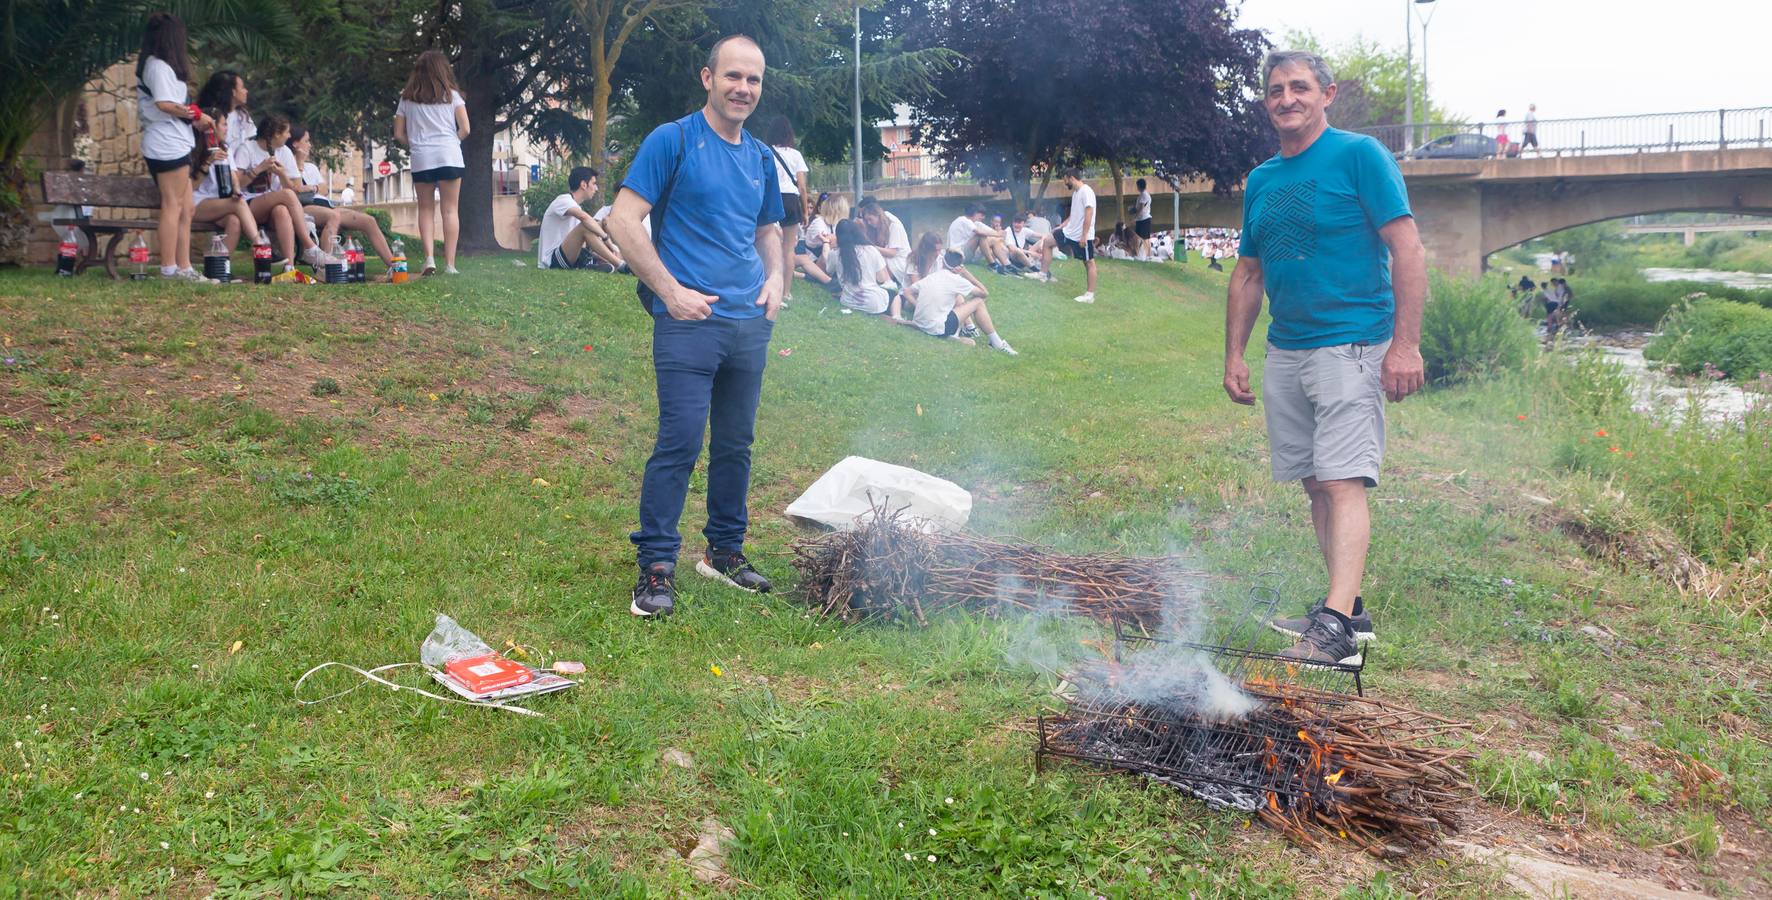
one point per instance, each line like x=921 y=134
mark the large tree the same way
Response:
x=1172 y=82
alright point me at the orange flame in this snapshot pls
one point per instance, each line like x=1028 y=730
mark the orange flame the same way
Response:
x=1333 y=779
x=1273 y=801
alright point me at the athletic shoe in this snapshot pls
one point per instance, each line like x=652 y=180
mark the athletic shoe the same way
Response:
x=1296 y=627
x=451 y=270
x=318 y=258
x=968 y=331
x=191 y=275
x=655 y=594
x=1032 y=273
x=732 y=568
x=1329 y=640
x=1002 y=346
x=1086 y=298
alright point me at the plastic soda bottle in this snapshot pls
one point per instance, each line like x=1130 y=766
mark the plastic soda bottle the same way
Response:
x=138 y=257
x=215 y=262
x=335 y=270
x=64 y=254
x=261 y=260
x=354 y=256
x=397 y=269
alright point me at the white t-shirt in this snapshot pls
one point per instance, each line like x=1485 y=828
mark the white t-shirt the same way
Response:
x=164 y=136
x=286 y=159
x=311 y=180
x=245 y=158
x=788 y=163
x=241 y=129
x=602 y=214
x=898 y=239
x=818 y=233
x=1039 y=225
x=1082 y=199
x=865 y=294
x=937 y=293
x=430 y=131
x=1143 y=210
x=347 y=196
x=962 y=230
x=555 y=224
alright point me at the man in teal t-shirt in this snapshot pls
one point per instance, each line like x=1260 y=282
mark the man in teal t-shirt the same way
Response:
x=1328 y=235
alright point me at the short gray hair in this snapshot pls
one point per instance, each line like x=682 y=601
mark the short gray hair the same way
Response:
x=714 y=52
x=1305 y=58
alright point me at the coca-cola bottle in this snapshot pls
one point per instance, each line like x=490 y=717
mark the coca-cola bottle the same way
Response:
x=138 y=257
x=215 y=262
x=261 y=260
x=357 y=268
x=65 y=254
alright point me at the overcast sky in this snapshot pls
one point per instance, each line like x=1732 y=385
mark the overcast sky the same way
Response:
x=1572 y=57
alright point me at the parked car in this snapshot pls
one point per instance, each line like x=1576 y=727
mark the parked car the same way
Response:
x=1468 y=145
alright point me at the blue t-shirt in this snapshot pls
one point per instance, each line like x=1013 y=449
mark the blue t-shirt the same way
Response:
x=1312 y=220
x=722 y=194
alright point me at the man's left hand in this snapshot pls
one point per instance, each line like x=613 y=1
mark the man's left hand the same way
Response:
x=1402 y=373
x=770 y=298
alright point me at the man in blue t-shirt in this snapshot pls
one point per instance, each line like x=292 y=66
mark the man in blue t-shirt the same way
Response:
x=1328 y=235
x=710 y=274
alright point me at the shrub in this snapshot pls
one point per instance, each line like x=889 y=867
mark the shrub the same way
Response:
x=1722 y=338
x=1470 y=330
x=543 y=190
x=1628 y=300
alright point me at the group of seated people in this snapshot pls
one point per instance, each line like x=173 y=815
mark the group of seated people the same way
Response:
x=273 y=185
x=1213 y=244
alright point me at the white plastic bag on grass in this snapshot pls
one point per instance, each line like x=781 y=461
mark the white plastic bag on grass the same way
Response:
x=853 y=487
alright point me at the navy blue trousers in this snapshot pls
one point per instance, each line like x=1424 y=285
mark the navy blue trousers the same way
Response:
x=710 y=376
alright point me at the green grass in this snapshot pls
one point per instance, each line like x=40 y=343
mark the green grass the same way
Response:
x=473 y=446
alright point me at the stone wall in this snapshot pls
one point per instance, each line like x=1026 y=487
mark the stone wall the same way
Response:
x=98 y=125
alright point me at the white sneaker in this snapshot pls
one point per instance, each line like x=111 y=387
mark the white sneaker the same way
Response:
x=451 y=270
x=1003 y=347
x=191 y=275
x=318 y=258
x=1086 y=298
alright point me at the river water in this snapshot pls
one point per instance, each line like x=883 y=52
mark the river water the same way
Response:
x=1669 y=397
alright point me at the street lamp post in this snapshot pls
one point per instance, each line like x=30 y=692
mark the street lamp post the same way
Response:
x=1414 y=137
x=858 y=163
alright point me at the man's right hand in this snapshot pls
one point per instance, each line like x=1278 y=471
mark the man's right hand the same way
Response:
x=1236 y=382
x=690 y=306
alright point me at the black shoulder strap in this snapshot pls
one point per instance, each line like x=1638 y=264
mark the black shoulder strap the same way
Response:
x=657 y=215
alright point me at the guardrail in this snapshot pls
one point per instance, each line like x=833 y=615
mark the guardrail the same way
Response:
x=1716 y=129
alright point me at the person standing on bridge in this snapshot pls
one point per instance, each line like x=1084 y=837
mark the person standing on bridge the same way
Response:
x=1529 y=131
x=711 y=276
x=1329 y=236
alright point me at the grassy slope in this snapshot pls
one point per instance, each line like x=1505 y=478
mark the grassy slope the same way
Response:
x=146 y=533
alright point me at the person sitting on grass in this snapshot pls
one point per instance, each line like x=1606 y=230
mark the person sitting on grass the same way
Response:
x=863 y=272
x=888 y=235
x=570 y=238
x=974 y=240
x=231 y=214
x=927 y=257
x=950 y=303
x=328 y=218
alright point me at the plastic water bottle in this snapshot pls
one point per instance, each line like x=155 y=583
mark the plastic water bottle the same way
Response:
x=261 y=260
x=215 y=262
x=138 y=257
x=397 y=268
x=335 y=270
x=65 y=254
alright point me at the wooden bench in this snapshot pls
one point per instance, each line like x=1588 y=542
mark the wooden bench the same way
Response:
x=79 y=189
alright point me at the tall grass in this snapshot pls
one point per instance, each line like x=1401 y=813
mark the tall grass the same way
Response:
x=1719 y=338
x=1470 y=330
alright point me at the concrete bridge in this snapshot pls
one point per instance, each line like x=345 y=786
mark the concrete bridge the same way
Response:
x=1691 y=231
x=1467 y=209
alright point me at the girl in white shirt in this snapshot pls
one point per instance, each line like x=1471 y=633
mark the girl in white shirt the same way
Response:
x=232 y=213
x=225 y=91
x=790 y=173
x=863 y=273
x=268 y=188
x=330 y=219
x=167 y=139
x=432 y=120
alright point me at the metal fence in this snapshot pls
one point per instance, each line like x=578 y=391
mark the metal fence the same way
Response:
x=1716 y=129
x=901 y=169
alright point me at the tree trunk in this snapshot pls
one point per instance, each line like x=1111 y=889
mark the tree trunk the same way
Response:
x=477 y=232
x=600 y=92
x=1045 y=181
x=1119 y=194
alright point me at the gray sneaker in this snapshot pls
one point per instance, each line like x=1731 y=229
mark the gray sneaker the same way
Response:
x=1296 y=627
x=1327 y=642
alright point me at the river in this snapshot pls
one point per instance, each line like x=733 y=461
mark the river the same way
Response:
x=1665 y=396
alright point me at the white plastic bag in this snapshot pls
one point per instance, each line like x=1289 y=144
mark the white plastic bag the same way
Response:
x=853 y=487
x=449 y=641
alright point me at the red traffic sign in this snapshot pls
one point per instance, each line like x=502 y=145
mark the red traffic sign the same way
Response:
x=384 y=168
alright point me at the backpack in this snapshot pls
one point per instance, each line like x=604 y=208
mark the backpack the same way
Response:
x=641 y=292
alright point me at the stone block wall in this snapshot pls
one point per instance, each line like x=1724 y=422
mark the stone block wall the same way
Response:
x=98 y=125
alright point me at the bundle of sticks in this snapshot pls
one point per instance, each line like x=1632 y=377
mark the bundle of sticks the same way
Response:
x=887 y=568
x=1308 y=763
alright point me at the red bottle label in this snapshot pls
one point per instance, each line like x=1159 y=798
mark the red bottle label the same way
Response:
x=261 y=251
x=138 y=255
x=68 y=249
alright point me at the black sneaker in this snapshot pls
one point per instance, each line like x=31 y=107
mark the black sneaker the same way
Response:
x=1328 y=641
x=1296 y=627
x=732 y=568
x=655 y=594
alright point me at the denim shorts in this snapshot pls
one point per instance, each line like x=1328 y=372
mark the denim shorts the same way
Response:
x=1325 y=411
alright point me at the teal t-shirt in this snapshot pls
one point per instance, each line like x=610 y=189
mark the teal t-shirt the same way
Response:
x=1312 y=220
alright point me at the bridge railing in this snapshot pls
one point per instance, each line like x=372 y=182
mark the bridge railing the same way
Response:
x=1714 y=129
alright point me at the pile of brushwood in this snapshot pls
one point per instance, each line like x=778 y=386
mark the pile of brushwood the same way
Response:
x=887 y=568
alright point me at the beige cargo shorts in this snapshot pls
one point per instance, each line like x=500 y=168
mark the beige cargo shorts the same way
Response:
x=1325 y=412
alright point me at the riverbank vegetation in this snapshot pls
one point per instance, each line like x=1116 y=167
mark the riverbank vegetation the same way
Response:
x=205 y=491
